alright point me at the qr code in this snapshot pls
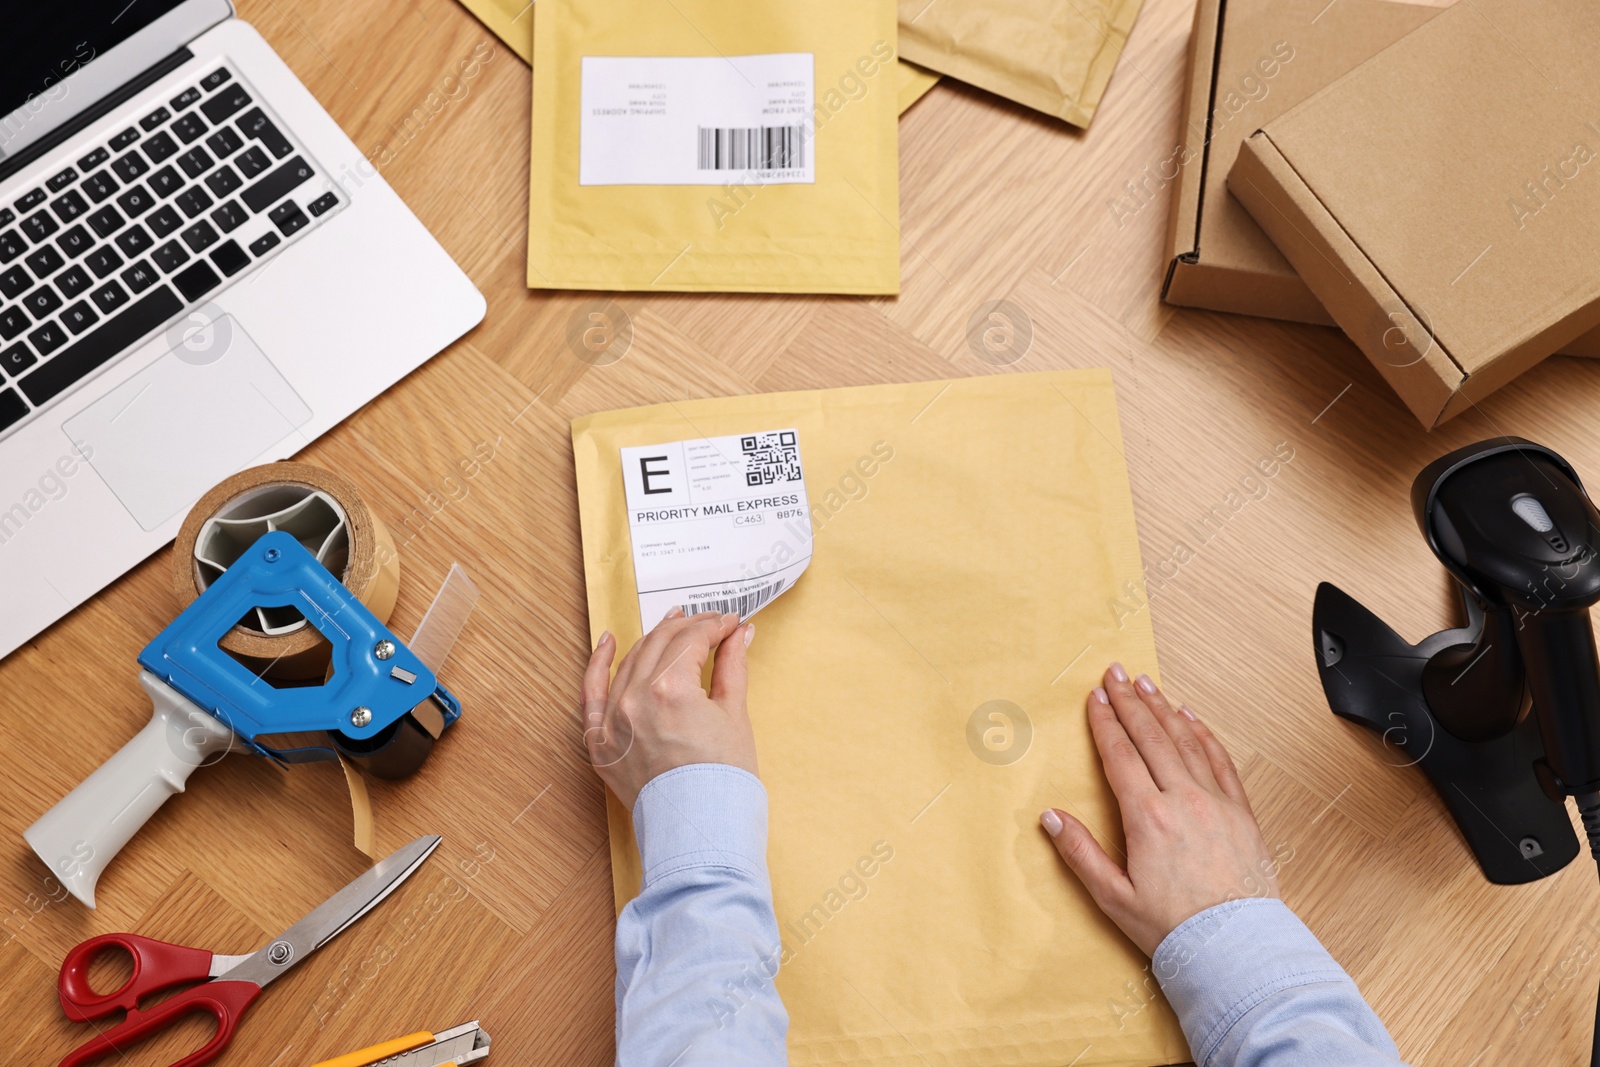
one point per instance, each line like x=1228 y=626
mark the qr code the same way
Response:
x=770 y=457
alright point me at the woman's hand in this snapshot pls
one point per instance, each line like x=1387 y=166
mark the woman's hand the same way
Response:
x=1192 y=839
x=654 y=715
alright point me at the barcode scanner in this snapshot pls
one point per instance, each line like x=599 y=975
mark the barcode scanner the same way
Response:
x=1503 y=713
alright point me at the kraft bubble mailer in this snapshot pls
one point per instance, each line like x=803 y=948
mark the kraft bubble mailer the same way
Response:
x=715 y=146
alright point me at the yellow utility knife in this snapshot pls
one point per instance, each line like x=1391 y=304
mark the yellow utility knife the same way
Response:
x=464 y=1044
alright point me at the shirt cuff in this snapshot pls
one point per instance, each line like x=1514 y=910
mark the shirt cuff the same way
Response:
x=701 y=815
x=1220 y=964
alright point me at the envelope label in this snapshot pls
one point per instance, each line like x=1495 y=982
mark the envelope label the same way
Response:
x=697 y=120
x=717 y=523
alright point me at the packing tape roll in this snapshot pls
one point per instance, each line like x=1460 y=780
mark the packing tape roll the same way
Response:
x=326 y=513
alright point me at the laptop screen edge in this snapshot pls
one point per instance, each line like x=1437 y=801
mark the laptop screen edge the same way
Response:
x=90 y=82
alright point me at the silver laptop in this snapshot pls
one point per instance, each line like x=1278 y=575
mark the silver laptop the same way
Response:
x=198 y=272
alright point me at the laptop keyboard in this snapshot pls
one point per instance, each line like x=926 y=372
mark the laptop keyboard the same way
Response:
x=154 y=221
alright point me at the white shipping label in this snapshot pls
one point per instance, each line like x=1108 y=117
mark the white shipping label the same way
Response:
x=718 y=523
x=697 y=120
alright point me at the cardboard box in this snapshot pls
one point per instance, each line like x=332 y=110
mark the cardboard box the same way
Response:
x=1249 y=62
x=1442 y=200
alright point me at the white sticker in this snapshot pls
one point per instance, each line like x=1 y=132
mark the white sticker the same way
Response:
x=697 y=120
x=718 y=524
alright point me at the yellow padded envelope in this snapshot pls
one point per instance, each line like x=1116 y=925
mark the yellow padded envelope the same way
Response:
x=918 y=699
x=512 y=22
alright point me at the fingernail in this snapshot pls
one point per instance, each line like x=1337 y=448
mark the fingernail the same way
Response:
x=1118 y=673
x=1050 y=821
x=1146 y=684
x=603 y=639
x=1187 y=713
x=1100 y=695
x=726 y=615
x=749 y=634
x=674 y=613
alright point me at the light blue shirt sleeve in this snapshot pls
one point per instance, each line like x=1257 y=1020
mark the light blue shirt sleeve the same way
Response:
x=1254 y=988
x=698 y=948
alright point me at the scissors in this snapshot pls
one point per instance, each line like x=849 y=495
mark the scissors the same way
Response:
x=227 y=984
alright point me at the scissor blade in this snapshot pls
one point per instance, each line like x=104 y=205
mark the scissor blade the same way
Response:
x=336 y=913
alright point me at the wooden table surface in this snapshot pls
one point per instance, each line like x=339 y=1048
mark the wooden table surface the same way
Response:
x=511 y=922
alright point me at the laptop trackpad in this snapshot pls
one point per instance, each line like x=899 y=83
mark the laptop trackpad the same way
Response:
x=190 y=419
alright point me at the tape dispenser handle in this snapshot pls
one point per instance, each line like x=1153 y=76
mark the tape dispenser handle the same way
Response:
x=80 y=836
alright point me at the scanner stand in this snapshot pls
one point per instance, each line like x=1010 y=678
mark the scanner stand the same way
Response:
x=1455 y=705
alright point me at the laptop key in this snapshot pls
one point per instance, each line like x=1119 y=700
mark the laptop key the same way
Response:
x=223 y=181
x=275 y=186
x=124 y=139
x=44 y=261
x=165 y=182
x=225 y=103
x=74 y=241
x=29 y=200
x=73 y=281
x=252 y=162
x=15 y=282
x=196 y=281
x=199 y=237
x=93 y=159
x=109 y=297
x=254 y=123
x=169 y=257
x=39 y=226
x=323 y=203
x=17 y=359
x=41 y=301
x=79 y=317
x=134 y=241
x=48 y=338
x=99 y=185
x=189 y=128
x=13 y=320
x=188 y=98
x=288 y=217
x=215 y=78
x=12 y=408
x=230 y=258
x=62 y=180
x=192 y=201
x=106 y=221
x=139 y=277
x=195 y=162
x=69 y=205
x=230 y=217
x=264 y=244
x=11 y=246
x=7 y=216
x=224 y=142
x=163 y=220
x=156 y=118
x=103 y=261
x=160 y=147
x=136 y=201
x=130 y=166
x=101 y=345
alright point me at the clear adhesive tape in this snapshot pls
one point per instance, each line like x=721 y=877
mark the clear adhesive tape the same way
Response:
x=325 y=513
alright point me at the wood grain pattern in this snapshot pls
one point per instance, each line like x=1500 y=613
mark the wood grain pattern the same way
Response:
x=998 y=203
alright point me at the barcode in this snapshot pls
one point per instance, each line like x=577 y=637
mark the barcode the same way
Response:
x=770 y=457
x=752 y=147
x=741 y=605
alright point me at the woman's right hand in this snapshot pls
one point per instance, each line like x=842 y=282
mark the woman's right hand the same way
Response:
x=1193 y=841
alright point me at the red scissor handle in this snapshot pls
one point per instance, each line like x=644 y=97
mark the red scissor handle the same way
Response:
x=156 y=966
x=224 y=1001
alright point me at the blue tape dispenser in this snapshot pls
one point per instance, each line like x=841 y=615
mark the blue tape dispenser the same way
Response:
x=382 y=707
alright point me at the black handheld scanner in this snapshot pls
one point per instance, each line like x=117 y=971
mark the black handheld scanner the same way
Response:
x=1511 y=521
